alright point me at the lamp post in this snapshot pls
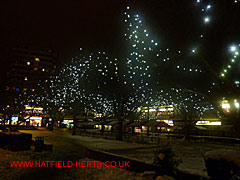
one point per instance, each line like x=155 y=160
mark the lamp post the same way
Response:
x=236 y=103
x=148 y=121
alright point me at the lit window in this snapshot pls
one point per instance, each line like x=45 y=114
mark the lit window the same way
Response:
x=28 y=63
x=43 y=69
x=35 y=69
x=37 y=59
x=25 y=78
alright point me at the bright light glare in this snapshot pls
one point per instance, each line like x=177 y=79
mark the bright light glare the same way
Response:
x=236 y=104
x=194 y=50
x=225 y=105
x=209 y=7
x=233 y=48
x=206 y=19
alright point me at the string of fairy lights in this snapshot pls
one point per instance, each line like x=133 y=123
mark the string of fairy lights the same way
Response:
x=141 y=46
x=235 y=56
x=87 y=79
x=206 y=10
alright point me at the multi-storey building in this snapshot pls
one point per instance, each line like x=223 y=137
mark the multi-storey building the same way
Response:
x=25 y=69
x=28 y=66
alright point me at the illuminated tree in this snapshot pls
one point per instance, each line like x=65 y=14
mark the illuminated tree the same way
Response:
x=101 y=83
x=144 y=76
x=188 y=105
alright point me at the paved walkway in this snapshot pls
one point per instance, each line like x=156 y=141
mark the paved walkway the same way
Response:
x=63 y=141
x=68 y=146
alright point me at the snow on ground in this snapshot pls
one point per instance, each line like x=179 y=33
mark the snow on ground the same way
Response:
x=87 y=173
x=191 y=152
x=8 y=173
x=229 y=155
x=103 y=173
x=66 y=147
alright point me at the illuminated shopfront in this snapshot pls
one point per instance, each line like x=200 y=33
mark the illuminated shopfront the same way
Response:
x=156 y=112
x=35 y=118
x=68 y=123
x=209 y=123
x=33 y=121
x=168 y=122
x=14 y=120
x=33 y=110
x=225 y=106
x=167 y=115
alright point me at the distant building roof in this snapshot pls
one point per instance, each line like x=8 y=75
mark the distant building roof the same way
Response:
x=137 y=123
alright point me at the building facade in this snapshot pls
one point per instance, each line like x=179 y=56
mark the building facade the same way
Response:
x=25 y=69
x=28 y=66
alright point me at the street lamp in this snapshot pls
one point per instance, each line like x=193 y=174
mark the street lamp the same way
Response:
x=206 y=19
x=233 y=48
x=236 y=103
x=209 y=6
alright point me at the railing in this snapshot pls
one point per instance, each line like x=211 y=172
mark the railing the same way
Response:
x=159 y=138
x=129 y=137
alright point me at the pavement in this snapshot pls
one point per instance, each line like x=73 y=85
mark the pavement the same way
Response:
x=68 y=147
x=64 y=142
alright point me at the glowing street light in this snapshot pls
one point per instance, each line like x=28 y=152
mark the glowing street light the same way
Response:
x=236 y=104
x=209 y=6
x=206 y=19
x=226 y=106
x=233 y=48
x=194 y=50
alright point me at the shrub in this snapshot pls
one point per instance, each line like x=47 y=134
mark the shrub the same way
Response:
x=166 y=161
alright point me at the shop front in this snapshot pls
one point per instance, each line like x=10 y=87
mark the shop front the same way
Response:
x=33 y=121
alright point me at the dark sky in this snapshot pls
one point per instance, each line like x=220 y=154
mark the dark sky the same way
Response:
x=67 y=25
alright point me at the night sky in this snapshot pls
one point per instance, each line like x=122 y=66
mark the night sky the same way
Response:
x=64 y=26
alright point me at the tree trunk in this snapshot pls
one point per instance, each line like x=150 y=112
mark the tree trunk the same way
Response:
x=10 y=123
x=4 y=124
x=148 y=130
x=102 y=128
x=187 y=133
x=133 y=129
x=103 y=125
x=51 y=127
x=120 y=130
x=61 y=121
x=19 y=120
x=74 y=125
